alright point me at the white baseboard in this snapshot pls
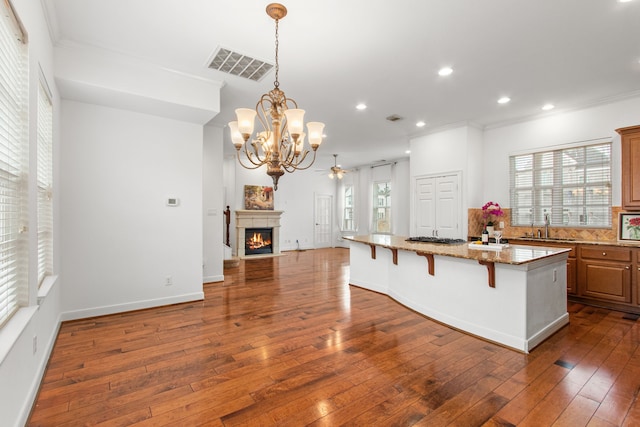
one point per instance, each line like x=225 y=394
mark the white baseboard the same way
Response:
x=130 y=306
x=209 y=279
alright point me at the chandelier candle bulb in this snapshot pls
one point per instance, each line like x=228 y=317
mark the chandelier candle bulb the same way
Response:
x=246 y=118
x=295 y=122
x=236 y=136
x=315 y=134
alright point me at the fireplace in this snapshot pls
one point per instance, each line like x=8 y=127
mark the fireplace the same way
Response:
x=257 y=241
x=264 y=221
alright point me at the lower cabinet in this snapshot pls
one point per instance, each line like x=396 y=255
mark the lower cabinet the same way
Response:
x=572 y=276
x=605 y=273
x=608 y=277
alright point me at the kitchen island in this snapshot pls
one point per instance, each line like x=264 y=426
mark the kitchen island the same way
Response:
x=514 y=295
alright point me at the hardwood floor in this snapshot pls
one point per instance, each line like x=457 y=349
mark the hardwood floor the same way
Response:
x=286 y=341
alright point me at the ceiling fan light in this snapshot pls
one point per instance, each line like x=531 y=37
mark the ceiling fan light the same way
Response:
x=331 y=175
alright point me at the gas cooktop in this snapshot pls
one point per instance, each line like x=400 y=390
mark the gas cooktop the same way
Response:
x=443 y=240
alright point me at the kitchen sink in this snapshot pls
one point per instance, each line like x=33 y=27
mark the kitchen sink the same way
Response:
x=554 y=239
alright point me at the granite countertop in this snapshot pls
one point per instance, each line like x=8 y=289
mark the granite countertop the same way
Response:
x=512 y=254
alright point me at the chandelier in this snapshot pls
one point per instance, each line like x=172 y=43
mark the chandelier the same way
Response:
x=280 y=143
x=336 y=171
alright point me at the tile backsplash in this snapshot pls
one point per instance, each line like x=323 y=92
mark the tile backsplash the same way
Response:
x=476 y=222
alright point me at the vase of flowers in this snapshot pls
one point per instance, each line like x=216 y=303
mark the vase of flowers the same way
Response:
x=491 y=211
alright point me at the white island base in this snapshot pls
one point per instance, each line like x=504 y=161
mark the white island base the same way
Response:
x=526 y=306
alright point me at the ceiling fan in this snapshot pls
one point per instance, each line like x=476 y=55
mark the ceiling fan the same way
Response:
x=336 y=171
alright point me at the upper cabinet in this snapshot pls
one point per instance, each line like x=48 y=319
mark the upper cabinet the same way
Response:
x=630 y=138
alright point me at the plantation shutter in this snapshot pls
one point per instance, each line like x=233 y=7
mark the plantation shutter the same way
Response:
x=13 y=147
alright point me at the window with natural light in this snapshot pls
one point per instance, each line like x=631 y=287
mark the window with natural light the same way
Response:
x=348 y=214
x=45 y=183
x=13 y=147
x=382 y=207
x=571 y=187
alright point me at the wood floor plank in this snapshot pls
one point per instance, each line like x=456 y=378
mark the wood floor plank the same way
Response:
x=287 y=341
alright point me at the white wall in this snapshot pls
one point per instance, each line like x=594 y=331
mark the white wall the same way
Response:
x=400 y=198
x=561 y=128
x=453 y=150
x=120 y=241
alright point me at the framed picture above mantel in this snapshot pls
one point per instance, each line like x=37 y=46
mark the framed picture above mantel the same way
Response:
x=629 y=226
x=258 y=197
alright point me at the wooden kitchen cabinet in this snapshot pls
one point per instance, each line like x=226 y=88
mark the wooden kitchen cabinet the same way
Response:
x=630 y=146
x=605 y=273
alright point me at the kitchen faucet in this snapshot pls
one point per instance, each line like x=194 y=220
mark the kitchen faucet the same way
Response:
x=546 y=226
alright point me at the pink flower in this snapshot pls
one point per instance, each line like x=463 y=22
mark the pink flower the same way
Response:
x=491 y=211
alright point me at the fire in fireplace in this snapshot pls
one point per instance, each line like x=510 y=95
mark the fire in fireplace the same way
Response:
x=257 y=241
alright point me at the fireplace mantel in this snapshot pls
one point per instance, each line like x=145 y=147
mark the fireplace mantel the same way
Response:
x=258 y=219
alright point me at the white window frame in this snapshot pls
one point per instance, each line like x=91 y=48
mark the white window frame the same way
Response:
x=45 y=182
x=568 y=187
x=381 y=209
x=13 y=164
x=349 y=208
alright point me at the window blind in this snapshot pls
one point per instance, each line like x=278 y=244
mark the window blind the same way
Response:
x=45 y=183
x=571 y=187
x=13 y=146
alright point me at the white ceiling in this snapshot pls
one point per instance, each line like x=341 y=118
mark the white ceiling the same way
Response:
x=337 y=53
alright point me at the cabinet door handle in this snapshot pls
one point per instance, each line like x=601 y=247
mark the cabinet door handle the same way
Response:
x=604 y=254
x=627 y=267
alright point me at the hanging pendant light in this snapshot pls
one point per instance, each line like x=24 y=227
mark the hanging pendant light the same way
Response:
x=280 y=145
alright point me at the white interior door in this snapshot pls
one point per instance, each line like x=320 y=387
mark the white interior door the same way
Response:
x=447 y=199
x=437 y=209
x=323 y=220
x=425 y=207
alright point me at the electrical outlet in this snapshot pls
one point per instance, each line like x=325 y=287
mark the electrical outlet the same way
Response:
x=501 y=224
x=35 y=344
x=168 y=281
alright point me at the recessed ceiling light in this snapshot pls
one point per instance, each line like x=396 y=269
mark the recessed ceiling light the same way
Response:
x=504 y=100
x=624 y=1
x=547 y=107
x=407 y=152
x=421 y=124
x=361 y=106
x=445 y=71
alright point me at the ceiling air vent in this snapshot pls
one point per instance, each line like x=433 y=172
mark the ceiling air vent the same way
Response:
x=237 y=64
x=394 y=118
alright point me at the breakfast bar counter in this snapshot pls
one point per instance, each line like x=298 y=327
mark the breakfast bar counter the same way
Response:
x=513 y=295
